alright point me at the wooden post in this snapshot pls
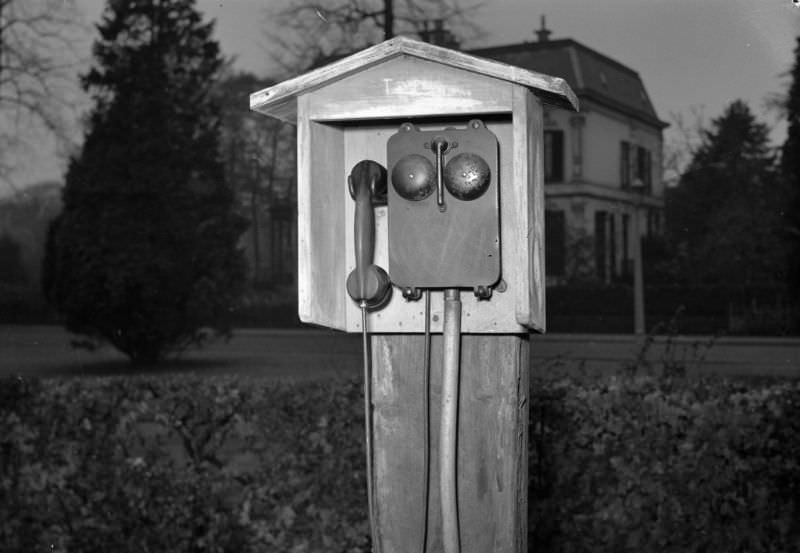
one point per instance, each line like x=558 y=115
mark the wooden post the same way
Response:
x=492 y=442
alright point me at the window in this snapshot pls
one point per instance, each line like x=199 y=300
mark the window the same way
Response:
x=644 y=161
x=624 y=164
x=553 y=156
x=605 y=245
x=635 y=163
x=555 y=251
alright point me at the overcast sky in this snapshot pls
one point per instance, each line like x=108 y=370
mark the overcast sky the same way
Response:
x=701 y=53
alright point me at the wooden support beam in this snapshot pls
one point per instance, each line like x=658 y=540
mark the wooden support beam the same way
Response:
x=492 y=442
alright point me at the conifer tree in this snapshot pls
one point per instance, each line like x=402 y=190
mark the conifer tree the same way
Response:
x=724 y=215
x=790 y=171
x=144 y=254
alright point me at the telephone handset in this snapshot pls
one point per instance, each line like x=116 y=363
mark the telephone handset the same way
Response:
x=368 y=284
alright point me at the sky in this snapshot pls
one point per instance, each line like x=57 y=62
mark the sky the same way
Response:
x=693 y=55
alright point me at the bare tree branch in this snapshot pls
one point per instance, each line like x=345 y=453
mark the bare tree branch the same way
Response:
x=305 y=33
x=39 y=57
x=683 y=139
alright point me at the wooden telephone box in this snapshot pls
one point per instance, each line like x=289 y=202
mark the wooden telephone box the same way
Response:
x=347 y=112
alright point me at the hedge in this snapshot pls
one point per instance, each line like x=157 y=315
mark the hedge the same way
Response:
x=233 y=464
x=665 y=465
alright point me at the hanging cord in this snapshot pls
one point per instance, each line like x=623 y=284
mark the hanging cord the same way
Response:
x=448 y=436
x=426 y=425
x=376 y=542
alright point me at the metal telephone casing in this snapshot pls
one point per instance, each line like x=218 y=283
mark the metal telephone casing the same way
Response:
x=458 y=247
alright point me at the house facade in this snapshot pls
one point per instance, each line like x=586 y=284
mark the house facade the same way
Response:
x=602 y=165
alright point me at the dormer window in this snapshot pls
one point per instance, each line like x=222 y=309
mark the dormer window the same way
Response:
x=603 y=79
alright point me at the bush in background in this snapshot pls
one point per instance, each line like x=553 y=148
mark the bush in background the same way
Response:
x=180 y=464
x=234 y=464
x=646 y=464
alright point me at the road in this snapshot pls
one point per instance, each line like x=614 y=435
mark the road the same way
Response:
x=313 y=354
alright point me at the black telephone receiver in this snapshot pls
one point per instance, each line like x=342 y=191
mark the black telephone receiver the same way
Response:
x=367 y=284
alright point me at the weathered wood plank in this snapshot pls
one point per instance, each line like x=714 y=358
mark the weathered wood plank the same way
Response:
x=529 y=176
x=406 y=86
x=321 y=227
x=492 y=438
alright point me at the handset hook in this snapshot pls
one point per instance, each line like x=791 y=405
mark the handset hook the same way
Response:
x=367 y=284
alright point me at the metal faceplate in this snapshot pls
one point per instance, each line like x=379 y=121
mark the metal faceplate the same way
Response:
x=457 y=244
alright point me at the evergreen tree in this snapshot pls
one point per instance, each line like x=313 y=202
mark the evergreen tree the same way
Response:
x=144 y=254
x=790 y=171
x=12 y=270
x=724 y=217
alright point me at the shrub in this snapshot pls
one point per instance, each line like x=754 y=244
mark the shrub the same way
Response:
x=645 y=464
x=182 y=463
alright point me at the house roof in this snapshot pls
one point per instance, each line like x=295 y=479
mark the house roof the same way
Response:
x=592 y=75
x=281 y=100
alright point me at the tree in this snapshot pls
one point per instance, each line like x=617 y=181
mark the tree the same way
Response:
x=12 y=270
x=790 y=171
x=144 y=253
x=724 y=217
x=37 y=60
x=310 y=33
x=259 y=158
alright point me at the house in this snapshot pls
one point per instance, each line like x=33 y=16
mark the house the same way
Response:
x=602 y=165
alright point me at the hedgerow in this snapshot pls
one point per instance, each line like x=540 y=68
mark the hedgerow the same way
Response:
x=234 y=464
x=666 y=465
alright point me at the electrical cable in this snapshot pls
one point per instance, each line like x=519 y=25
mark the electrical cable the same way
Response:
x=376 y=545
x=426 y=425
x=448 y=436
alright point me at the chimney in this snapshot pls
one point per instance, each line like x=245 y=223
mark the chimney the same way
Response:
x=437 y=34
x=544 y=33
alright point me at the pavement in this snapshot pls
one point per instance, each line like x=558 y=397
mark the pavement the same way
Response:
x=304 y=354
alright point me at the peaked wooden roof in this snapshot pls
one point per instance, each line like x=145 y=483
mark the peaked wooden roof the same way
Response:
x=281 y=100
